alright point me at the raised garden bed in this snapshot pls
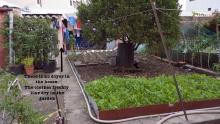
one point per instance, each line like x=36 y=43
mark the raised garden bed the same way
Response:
x=119 y=98
x=156 y=109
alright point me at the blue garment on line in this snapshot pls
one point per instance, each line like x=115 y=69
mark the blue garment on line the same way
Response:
x=72 y=21
x=67 y=36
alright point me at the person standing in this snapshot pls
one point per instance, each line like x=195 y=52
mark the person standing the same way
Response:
x=66 y=35
x=78 y=39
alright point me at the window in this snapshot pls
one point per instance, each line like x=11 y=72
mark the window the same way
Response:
x=71 y=3
x=74 y=2
x=39 y=2
x=209 y=9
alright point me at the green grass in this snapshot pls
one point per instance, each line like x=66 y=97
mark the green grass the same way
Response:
x=125 y=92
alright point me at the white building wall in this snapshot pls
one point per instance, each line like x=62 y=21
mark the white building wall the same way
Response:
x=48 y=6
x=59 y=5
x=201 y=6
x=23 y=3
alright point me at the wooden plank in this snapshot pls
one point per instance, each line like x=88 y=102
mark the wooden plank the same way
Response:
x=202 y=70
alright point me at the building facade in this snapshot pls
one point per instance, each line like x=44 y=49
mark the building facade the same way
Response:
x=47 y=6
x=3 y=50
x=200 y=7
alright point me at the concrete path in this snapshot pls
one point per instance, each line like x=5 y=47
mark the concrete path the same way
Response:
x=75 y=106
x=195 y=118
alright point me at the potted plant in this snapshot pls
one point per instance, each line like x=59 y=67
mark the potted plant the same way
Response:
x=50 y=66
x=16 y=69
x=28 y=65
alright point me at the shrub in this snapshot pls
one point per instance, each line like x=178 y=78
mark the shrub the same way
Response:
x=32 y=37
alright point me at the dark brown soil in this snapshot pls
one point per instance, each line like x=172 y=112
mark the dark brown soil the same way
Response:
x=148 y=67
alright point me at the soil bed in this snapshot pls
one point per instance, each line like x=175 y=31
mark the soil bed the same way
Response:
x=148 y=67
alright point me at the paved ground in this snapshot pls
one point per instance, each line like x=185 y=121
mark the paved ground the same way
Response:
x=75 y=107
x=48 y=107
x=196 y=118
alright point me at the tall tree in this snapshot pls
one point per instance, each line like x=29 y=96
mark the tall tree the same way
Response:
x=131 y=20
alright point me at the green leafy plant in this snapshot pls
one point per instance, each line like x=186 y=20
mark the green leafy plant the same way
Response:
x=126 y=92
x=216 y=67
x=28 y=62
x=72 y=42
x=15 y=105
x=32 y=37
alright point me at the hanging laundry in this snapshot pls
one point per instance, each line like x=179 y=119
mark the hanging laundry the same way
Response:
x=65 y=22
x=55 y=23
x=72 y=21
x=78 y=24
x=66 y=36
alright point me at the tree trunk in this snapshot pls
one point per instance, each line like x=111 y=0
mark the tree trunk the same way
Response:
x=125 y=57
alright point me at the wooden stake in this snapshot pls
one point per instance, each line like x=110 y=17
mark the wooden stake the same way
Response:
x=168 y=56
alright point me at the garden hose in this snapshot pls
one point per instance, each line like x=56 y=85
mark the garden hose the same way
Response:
x=120 y=120
x=193 y=112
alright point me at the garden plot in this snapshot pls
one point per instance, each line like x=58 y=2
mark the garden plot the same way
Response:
x=147 y=67
x=118 y=98
x=151 y=90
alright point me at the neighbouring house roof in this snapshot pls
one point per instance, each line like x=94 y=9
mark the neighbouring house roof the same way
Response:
x=47 y=16
x=46 y=10
x=43 y=12
x=7 y=4
x=38 y=10
x=5 y=9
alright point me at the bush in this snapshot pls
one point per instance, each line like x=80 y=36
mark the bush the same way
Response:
x=33 y=38
x=216 y=67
